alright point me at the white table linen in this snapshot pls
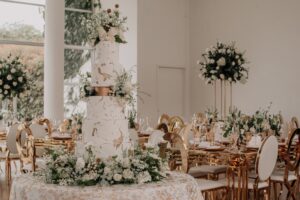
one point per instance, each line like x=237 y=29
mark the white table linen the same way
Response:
x=177 y=186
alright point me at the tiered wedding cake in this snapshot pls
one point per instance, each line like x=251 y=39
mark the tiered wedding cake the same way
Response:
x=105 y=127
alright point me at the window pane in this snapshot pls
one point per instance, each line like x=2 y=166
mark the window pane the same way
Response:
x=30 y=106
x=33 y=1
x=76 y=62
x=79 y=4
x=75 y=33
x=28 y=25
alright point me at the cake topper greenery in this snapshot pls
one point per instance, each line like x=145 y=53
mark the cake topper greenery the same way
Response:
x=106 y=25
x=223 y=62
x=13 y=78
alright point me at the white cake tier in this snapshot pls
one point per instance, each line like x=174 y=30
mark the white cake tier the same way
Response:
x=105 y=64
x=108 y=137
x=105 y=127
x=104 y=108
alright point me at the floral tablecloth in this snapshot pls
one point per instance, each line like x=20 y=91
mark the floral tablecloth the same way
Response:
x=176 y=187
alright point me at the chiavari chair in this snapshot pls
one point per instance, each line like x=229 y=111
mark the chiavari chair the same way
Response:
x=175 y=123
x=164 y=118
x=264 y=165
x=288 y=176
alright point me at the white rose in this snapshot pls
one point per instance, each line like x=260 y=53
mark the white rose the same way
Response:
x=80 y=164
x=22 y=95
x=229 y=79
x=13 y=70
x=221 y=62
x=9 y=77
x=5 y=92
x=15 y=83
x=239 y=62
x=233 y=63
x=128 y=174
x=143 y=177
x=204 y=70
x=117 y=177
x=237 y=56
x=213 y=71
x=213 y=77
x=1 y=82
x=20 y=79
x=218 y=68
x=6 y=86
x=222 y=76
x=228 y=51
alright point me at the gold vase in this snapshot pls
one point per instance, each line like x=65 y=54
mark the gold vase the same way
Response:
x=103 y=91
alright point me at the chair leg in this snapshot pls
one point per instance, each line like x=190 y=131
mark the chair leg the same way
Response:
x=291 y=190
x=8 y=170
x=275 y=190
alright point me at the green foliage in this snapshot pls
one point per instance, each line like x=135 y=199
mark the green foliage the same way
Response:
x=13 y=78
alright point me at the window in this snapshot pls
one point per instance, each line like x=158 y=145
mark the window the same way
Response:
x=77 y=54
x=23 y=35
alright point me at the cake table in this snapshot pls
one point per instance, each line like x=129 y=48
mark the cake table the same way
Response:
x=176 y=186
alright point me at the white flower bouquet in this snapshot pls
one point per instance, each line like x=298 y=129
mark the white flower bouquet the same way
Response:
x=13 y=78
x=106 y=25
x=63 y=168
x=124 y=88
x=223 y=62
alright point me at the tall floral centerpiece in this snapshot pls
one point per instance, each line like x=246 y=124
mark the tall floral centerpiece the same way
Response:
x=13 y=82
x=226 y=63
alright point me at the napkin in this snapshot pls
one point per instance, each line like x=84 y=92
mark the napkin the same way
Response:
x=255 y=141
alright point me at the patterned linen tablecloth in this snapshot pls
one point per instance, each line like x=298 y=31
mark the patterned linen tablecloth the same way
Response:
x=176 y=187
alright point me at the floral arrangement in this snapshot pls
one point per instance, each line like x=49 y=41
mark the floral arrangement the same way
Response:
x=132 y=114
x=211 y=115
x=13 y=78
x=64 y=168
x=223 y=62
x=236 y=121
x=86 y=89
x=124 y=88
x=106 y=25
x=260 y=121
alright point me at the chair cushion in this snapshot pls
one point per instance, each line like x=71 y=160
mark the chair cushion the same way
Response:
x=214 y=169
x=251 y=182
x=194 y=172
x=205 y=185
x=278 y=175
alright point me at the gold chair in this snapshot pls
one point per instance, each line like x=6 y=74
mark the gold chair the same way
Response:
x=26 y=149
x=290 y=174
x=175 y=123
x=207 y=187
x=265 y=163
x=164 y=118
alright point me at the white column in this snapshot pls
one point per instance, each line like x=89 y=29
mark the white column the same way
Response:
x=54 y=60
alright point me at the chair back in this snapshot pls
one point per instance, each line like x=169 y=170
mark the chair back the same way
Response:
x=38 y=131
x=179 y=143
x=175 y=123
x=11 y=139
x=293 y=151
x=186 y=132
x=266 y=158
x=25 y=148
x=164 y=118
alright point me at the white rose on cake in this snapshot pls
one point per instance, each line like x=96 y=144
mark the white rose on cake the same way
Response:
x=221 y=62
x=128 y=174
x=20 y=79
x=6 y=87
x=143 y=177
x=15 y=83
x=222 y=76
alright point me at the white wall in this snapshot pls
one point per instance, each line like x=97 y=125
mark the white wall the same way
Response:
x=162 y=41
x=269 y=31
